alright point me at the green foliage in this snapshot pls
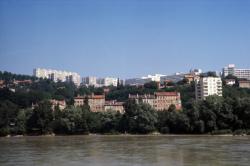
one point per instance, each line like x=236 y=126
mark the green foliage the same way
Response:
x=139 y=118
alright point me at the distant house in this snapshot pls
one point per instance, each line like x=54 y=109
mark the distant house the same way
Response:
x=114 y=106
x=244 y=83
x=160 y=100
x=96 y=102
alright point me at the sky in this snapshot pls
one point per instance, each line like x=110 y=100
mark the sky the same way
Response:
x=123 y=38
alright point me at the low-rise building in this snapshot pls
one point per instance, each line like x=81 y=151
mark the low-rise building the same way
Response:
x=160 y=100
x=244 y=83
x=95 y=102
x=114 y=106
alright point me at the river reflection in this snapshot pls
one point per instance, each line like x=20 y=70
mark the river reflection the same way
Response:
x=125 y=151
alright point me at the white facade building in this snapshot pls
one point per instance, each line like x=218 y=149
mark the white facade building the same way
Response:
x=110 y=81
x=239 y=73
x=89 y=81
x=156 y=77
x=57 y=75
x=207 y=86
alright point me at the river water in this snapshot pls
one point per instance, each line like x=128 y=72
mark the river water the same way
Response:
x=125 y=151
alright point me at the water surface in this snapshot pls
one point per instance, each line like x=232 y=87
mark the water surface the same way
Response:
x=125 y=151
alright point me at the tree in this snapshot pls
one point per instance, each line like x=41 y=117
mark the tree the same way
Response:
x=139 y=118
x=151 y=85
x=41 y=119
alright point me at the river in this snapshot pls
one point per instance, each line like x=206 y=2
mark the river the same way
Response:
x=96 y=150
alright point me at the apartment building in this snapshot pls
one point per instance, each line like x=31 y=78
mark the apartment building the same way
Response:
x=57 y=75
x=239 y=73
x=207 y=86
x=113 y=105
x=96 y=102
x=160 y=100
x=89 y=81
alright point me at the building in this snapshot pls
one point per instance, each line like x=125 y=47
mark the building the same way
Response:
x=239 y=73
x=141 y=81
x=160 y=100
x=60 y=103
x=244 y=83
x=207 y=86
x=136 y=81
x=89 y=81
x=110 y=81
x=230 y=82
x=173 y=78
x=113 y=105
x=57 y=75
x=156 y=77
x=95 y=102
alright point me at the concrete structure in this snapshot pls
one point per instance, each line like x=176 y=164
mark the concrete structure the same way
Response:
x=96 y=102
x=156 y=77
x=110 y=81
x=239 y=73
x=160 y=100
x=143 y=80
x=113 y=105
x=136 y=81
x=244 y=83
x=57 y=75
x=173 y=78
x=89 y=81
x=207 y=86
x=230 y=82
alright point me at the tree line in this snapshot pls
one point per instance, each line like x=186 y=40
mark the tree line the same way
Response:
x=215 y=115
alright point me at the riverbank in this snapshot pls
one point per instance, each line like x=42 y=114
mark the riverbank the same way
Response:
x=137 y=135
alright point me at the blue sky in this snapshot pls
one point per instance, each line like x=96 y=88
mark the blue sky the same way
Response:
x=123 y=38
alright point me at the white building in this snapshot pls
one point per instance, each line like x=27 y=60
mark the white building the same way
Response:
x=207 y=86
x=89 y=81
x=57 y=75
x=239 y=73
x=110 y=81
x=156 y=77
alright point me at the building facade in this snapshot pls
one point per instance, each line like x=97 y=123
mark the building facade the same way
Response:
x=95 y=102
x=239 y=73
x=113 y=105
x=207 y=86
x=58 y=75
x=160 y=100
x=244 y=83
x=89 y=81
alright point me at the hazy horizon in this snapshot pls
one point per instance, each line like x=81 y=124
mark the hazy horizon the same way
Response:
x=123 y=39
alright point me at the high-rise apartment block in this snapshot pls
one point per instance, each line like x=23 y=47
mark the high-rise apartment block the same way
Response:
x=239 y=73
x=89 y=81
x=207 y=86
x=57 y=75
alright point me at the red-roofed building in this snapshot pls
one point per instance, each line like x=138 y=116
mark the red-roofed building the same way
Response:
x=160 y=100
x=114 y=106
x=96 y=102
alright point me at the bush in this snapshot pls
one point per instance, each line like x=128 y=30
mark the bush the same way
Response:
x=4 y=131
x=221 y=132
x=164 y=130
x=239 y=132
